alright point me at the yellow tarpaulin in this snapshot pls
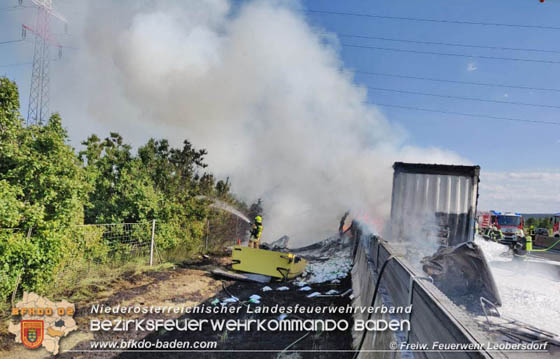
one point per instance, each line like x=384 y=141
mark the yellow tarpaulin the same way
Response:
x=270 y=263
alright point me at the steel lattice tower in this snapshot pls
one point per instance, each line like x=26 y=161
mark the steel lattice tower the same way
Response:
x=38 y=107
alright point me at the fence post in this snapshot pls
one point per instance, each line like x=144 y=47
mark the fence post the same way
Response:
x=207 y=232
x=152 y=244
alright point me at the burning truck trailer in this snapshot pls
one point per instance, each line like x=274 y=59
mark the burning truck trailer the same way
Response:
x=432 y=218
x=427 y=259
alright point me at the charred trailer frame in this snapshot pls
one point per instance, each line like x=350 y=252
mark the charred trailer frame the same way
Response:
x=445 y=195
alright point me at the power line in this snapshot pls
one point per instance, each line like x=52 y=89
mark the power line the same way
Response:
x=452 y=54
x=461 y=97
x=17 y=64
x=418 y=19
x=449 y=44
x=11 y=41
x=9 y=8
x=16 y=7
x=457 y=81
x=26 y=63
x=465 y=114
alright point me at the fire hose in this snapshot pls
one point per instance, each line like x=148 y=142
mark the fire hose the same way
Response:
x=544 y=249
x=381 y=271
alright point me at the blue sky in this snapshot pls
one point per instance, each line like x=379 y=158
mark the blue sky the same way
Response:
x=494 y=144
x=498 y=146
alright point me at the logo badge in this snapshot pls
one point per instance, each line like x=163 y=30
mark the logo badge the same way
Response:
x=32 y=333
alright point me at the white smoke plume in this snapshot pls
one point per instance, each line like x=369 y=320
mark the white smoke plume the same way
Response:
x=266 y=93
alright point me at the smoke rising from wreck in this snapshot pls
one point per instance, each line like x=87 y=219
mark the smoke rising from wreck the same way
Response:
x=265 y=92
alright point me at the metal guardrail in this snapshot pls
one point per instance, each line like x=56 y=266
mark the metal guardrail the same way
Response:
x=434 y=317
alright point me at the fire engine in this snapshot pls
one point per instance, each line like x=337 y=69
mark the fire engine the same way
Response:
x=485 y=222
x=556 y=225
x=511 y=226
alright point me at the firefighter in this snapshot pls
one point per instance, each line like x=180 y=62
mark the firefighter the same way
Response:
x=256 y=231
x=523 y=245
x=532 y=231
x=529 y=243
x=496 y=234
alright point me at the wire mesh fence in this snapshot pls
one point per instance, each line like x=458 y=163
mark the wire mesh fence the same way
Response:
x=120 y=240
x=111 y=245
x=86 y=254
x=113 y=239
x=74 y=254
x=127 y=236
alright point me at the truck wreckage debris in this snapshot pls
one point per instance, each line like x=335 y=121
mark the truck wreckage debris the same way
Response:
x=433 y=209
x=432 y=232
x=428 y=261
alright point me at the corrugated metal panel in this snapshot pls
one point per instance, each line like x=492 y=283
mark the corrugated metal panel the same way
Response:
x=437 y=202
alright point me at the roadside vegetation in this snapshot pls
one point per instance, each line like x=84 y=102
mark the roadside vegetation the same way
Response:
x=48 y=191
x=538 y=223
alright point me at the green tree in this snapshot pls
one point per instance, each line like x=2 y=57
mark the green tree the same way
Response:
x=544 y=223
x=122 y=190
x=45 y=189
x=223 y=188
x=42 y=187
x=174 y=174
x=206 y=184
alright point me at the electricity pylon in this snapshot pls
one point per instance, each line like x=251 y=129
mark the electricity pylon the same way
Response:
x=38 y=107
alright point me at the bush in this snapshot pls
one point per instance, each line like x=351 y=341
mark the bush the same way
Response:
x=47 y=192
